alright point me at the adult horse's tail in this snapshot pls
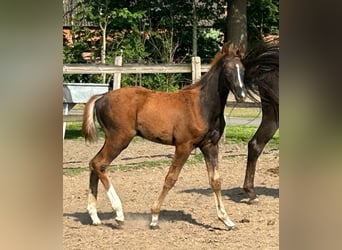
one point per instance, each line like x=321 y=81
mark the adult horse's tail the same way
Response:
x=88 y=127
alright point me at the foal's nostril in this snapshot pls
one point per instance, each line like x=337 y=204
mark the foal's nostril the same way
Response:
x=240 y=95
x=243 y=95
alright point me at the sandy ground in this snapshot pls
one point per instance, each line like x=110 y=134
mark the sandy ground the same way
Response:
x=188 y=217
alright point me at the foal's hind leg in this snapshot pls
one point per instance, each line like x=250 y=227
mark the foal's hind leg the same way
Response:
x=92 y=197
x=256 y=145
x=181 y=155
x=210 y=153
x=98 y=166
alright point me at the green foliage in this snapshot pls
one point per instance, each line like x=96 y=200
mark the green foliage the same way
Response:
x=92 y=20
x=155 y=32
x=161 y=82
x=208 y=41
x=262 y=18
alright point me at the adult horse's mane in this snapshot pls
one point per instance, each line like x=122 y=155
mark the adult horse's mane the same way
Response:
x=261 y=62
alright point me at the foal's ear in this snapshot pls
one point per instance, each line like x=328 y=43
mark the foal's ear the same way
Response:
x=241 y=51
x=227 y=49
x=231 y=50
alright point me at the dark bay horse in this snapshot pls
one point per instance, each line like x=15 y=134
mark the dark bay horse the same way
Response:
x=189 y=118
x=262 y=78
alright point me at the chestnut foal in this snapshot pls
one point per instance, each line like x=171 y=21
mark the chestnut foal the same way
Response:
x=189 y=118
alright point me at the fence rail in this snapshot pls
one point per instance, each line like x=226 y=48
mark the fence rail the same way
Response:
x=130 y=69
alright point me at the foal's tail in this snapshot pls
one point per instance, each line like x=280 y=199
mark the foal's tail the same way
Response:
x=88 y=127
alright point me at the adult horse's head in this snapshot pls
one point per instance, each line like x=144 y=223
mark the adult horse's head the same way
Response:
x=234 y=72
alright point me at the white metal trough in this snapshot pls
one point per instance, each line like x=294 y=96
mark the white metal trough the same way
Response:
x=74 y=93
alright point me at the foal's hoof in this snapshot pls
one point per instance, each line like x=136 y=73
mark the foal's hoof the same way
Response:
x=120 y=222
x=154 y=227
x=232 y=228
x=96 y=223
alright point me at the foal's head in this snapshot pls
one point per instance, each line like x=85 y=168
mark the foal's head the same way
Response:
x=234 y=71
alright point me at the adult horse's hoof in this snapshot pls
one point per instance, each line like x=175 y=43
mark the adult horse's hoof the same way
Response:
x=253 y=201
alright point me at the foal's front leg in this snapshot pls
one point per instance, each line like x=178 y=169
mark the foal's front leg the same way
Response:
x=181 y=155
x=210 y=153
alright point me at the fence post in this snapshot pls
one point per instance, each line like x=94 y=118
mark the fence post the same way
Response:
x=196 y=68
x=117 y=76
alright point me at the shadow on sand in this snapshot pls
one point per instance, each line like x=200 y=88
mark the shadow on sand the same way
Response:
x=236 y=194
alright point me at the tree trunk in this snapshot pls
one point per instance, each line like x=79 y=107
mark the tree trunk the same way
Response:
x=236 y=24
x=194 y=28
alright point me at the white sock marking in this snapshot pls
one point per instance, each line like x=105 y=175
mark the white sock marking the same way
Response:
x=154 y=221
x=116 y=203
x=93 y=214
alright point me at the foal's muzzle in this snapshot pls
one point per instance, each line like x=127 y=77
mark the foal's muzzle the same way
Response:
x=240 y=94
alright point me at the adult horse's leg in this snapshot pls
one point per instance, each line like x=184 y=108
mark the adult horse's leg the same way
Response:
x=210 y=153
x=181 y=155
x=268 y=127
x=98 y=166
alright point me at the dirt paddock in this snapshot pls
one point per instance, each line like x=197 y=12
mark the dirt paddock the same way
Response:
x=188 y=217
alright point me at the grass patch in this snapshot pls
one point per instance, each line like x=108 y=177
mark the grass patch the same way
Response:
x=243 y=112
x=242 y=134
x=234 y=134
x=73 y=131
x=74 y=171
x=128 y=167
x=140 y=165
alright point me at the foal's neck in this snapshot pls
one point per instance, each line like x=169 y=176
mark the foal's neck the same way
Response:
x=214 y=93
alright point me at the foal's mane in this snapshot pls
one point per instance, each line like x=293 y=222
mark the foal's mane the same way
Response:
x=218 y=57
x=226 y=52
x=215 y=61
